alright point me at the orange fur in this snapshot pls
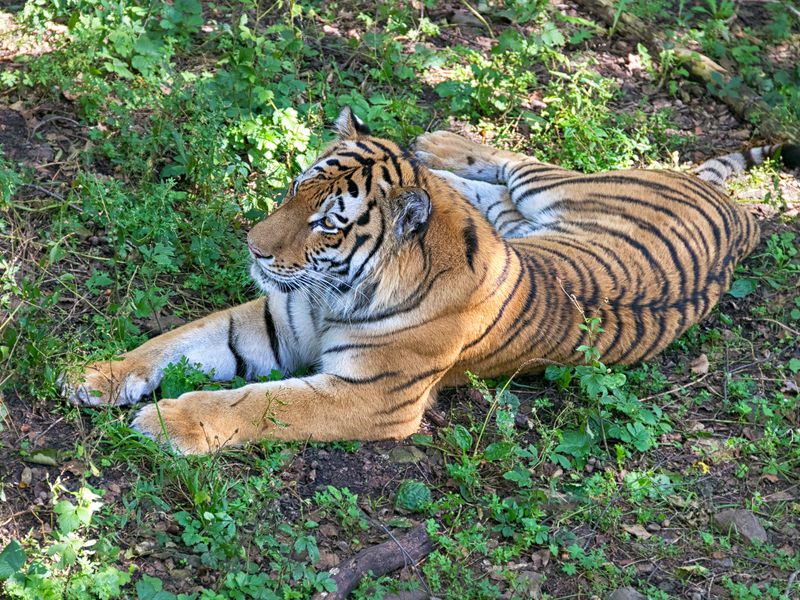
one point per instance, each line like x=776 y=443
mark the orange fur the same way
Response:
x=411 y=285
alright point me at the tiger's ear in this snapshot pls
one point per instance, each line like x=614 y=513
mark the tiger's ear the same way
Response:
x=412 y=212
x=349 y=126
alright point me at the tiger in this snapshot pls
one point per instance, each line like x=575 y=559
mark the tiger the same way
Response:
x=393 y=272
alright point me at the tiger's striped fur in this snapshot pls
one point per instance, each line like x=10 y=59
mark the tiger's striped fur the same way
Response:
x=393 y=274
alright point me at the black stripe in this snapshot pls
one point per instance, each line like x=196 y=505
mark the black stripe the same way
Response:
x=386 y=175
x=272 y=334
x=732 y=167
x=241 y=366
x=396 y=408
x=366 y=172
x=348 y=347
x=290 y=315
x=393 y=158
x=470 y=243
x=352 y=187
x=357 y=157
x=716 y=173
x=360 y=144
x=372 y=252
x=503 y=307
x=366 y=380
x=417 y=378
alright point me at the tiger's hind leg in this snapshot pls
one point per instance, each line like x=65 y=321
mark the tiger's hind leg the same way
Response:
x=494 y=202
x=526 y=179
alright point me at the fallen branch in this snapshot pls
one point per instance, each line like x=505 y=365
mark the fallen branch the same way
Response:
x=405 y=550
x=739 y=97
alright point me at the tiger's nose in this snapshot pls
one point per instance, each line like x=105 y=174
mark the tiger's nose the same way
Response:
x=256 y=252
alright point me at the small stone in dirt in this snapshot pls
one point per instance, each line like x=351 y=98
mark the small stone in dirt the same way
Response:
x=180 y=574
x=626 y=593
x=144 y=547
x=25 y=478
x=541 y=558
x=653 y=527
x=405 y=455
x=744 y=522
x=533 y=583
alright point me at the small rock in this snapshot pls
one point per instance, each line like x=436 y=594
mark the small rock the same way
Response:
x=744 y=522
x=522 y=422
x=541 y=558
x=179 y=574
x=626 y=593
x=404 y=455
x=653 y=527
x=532 y=582
x=25 y=478
x=145 y=547
x=723 y=563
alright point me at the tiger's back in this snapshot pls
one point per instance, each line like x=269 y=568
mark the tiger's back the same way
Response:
x=650 y=252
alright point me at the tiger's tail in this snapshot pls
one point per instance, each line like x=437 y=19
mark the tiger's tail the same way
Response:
x=717 y=170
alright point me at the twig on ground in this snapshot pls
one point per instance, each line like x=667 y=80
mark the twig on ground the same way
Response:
x=789 y=585
x=778 y=323
x=379 y=560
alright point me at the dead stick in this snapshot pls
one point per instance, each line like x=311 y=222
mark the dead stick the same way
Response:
x=379 y=560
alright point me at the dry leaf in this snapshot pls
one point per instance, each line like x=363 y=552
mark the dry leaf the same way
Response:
x=638 y=531
x=699 y=366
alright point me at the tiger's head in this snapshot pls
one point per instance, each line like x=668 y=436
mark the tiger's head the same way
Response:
x=363 y=198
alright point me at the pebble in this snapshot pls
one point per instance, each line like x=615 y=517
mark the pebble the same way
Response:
x=741 y=521
x=144 y=547
x=404 y=455
x=25 y=478
x=626 y=593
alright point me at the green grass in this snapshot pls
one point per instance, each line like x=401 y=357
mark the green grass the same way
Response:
x=190 y=121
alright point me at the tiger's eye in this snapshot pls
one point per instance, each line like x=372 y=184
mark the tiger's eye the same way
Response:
x=327 y=223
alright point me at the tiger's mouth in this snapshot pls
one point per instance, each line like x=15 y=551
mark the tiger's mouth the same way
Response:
x=269 y=281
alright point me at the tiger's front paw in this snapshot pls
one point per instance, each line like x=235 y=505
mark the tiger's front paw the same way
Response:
x=113 y=382
x=184 y=424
